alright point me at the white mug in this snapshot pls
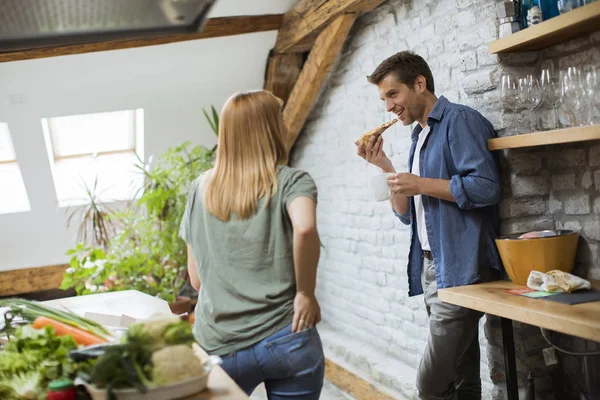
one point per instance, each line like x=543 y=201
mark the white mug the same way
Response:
x=379 y=187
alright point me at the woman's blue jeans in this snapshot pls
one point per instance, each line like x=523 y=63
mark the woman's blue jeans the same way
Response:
x=291 y=365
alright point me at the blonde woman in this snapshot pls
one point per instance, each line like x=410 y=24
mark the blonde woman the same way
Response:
x=253 y=249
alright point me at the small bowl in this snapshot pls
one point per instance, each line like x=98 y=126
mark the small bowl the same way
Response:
x=521 y=256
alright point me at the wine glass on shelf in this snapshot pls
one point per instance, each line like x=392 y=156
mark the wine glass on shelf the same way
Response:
x=577 y=93
x=567 y=109
x=530 y=96
x=509 y=96
x=592 y=88
x=550 y=92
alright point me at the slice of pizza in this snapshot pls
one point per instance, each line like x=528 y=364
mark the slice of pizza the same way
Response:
x=364 y=138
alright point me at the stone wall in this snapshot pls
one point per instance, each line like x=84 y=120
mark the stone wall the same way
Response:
x=370 y=325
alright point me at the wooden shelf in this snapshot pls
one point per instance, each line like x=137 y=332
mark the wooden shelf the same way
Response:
x=568 y=135
x=557 y=30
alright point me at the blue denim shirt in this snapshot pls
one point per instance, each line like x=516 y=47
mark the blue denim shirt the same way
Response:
x=461 y=235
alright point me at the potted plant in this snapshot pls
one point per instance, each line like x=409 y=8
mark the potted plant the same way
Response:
x=144 y=251
x=95 y=227
x=163 y=202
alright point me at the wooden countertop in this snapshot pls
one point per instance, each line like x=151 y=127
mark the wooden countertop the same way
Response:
x=220 y=385
x=581 y=320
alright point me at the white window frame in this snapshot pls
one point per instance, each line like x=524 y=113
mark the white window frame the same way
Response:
x=55 y=144
x=136 y=130
x=13 y=161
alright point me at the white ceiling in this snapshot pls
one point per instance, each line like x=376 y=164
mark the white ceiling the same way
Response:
x=224 y=8
x=171 y=82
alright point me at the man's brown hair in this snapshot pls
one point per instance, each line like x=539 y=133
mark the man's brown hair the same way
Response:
x=406 y=66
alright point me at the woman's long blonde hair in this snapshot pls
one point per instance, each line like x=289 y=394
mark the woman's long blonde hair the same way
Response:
x=251 y=147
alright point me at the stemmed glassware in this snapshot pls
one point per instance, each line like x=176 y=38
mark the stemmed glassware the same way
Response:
x=530 y=96
x=575 y=97
x=509 y=93
x=592 y=87
x=567 y=103
x=550 y=91
x=565 y=98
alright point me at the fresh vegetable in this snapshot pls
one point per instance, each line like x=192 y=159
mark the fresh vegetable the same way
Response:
x=79 y=335
x=174 y=364
x=31 y=359
x=121 y=366
x=160 y=332
x=22 y=386
x=146 y=352
x=30 y=310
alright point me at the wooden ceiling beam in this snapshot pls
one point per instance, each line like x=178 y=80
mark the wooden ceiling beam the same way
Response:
x=215 y=27
x=308 y=17
x=320 y=62
x=282 y=72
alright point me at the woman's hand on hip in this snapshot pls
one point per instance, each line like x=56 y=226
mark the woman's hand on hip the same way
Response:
x=307 y=312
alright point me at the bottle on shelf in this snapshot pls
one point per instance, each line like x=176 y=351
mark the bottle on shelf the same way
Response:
x=549 y=9
x=525 y=6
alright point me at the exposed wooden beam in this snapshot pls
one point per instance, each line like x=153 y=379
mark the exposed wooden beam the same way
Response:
x=282 y=72
x=353 y=384
x=311 y=16
x=320 y=61
x=215 y=27
x=29 y=280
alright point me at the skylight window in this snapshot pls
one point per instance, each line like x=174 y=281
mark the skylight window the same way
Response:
x=95 y=153
x=13 y=196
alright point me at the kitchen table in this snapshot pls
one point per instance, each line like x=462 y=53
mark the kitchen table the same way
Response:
x=581 y=320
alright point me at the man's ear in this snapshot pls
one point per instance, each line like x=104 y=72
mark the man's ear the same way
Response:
x=420 y=84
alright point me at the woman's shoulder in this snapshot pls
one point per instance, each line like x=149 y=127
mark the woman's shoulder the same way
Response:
x=199 y=184
x=202 y=178
x=296 y=180
x=290 y=175
x=287 y=172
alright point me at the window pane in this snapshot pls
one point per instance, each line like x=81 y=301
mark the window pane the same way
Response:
x=117 y=178
x=93 y=133
x=7 y=152
x=14 y=196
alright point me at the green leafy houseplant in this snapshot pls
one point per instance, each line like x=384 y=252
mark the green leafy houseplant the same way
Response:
x=213 y=121
x=145 y=253
x=140 y=248
x=95 y=227
x=154 y=239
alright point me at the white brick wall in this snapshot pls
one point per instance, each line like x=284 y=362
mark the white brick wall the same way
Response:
x=371 y=325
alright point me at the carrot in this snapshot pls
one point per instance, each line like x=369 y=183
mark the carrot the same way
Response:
x=79 y=335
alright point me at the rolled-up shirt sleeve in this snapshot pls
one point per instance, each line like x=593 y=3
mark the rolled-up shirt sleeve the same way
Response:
x=404 y=218
x=477 y=183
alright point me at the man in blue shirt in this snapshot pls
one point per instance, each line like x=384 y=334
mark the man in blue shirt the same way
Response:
x=449 y=198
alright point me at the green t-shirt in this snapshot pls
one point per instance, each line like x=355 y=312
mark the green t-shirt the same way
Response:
x=246 y=267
